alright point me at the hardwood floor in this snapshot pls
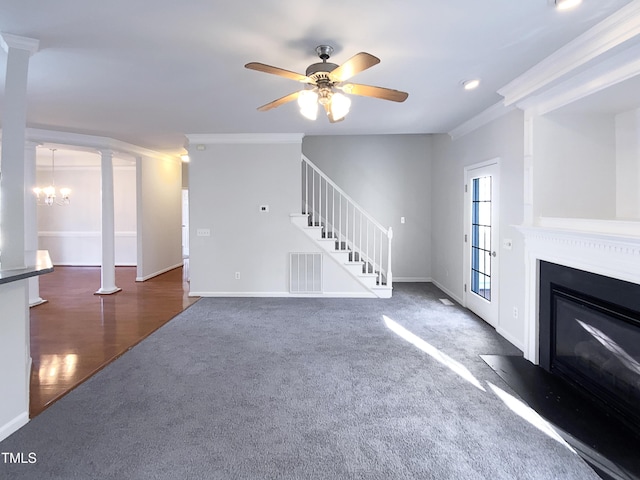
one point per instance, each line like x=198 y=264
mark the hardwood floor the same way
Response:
x=77 y=333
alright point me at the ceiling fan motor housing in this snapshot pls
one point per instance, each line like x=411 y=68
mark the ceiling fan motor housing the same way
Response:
x=320 y=70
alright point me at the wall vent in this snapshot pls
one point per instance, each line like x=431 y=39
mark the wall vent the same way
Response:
x=305 y=273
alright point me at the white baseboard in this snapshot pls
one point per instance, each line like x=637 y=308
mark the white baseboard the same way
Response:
x=411 y=279
x=511 y=339
x=448 y=292
x=81 y=264
x=147 y=277
x=14 y=425
x=284 y=294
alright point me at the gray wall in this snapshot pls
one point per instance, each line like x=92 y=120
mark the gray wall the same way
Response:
x=227 y=185
x=390 y=177
x=502 y=138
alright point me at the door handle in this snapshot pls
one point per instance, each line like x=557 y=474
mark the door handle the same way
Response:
x=493 y=254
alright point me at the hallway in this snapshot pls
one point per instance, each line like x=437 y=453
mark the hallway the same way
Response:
x=76 y=333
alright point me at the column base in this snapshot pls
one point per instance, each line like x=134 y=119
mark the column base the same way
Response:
x=37 y=301
x=107 y=291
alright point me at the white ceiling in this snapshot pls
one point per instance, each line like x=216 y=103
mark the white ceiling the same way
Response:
x=148 y=73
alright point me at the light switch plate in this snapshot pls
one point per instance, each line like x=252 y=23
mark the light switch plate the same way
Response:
x=203 y=232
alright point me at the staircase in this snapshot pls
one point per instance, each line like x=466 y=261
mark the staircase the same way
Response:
x=345 y=231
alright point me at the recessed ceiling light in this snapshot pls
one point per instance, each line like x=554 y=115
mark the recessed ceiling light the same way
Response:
x=567 y=4
x=471 y=84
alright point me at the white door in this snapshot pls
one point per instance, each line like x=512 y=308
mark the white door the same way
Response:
x=481 y=236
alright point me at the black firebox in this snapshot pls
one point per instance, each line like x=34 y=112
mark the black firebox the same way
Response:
x=590 y=336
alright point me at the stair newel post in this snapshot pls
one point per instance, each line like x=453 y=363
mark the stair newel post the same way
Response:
x=389 y=274
x=373 y=257
x=319 y=200
x=306 y=188
x=340 y=222
x=313 y=196
x=367 y=250
x=346 y=227
x=333 y=212
x=380 y=264
x=360 y=241
x=326 y=208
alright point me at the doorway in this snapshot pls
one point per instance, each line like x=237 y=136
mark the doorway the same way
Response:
x=481 y=234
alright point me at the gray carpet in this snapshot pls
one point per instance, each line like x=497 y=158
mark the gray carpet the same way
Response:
x=299 y=389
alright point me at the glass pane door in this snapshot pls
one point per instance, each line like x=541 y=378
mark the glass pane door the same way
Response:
x=481 y=247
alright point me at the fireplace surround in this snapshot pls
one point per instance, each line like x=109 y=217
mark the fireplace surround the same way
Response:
x=589 y=334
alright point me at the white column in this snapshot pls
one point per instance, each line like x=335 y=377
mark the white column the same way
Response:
x=31 y=220
x=14 y=120
x=108 y=271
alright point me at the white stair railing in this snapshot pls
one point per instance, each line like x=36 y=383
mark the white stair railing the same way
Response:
x=353 y=229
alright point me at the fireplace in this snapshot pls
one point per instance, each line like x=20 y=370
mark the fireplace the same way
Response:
x=589 y=334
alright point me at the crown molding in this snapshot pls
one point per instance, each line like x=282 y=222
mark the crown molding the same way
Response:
x=244 y=138
x=603 y=37
x=8 y=40
x=607 y=73
x=487 y=116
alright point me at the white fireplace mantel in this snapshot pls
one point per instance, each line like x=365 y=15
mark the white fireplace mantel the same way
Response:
x=606 y=247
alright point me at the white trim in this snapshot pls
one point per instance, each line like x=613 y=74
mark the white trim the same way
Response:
x=516 y=342
x=285 y=294
x=8 y=40
x=94 y=143
x=14 y=425
x=238 y=138
x=76 y=264
x=604 y=254
x=82 y=234
x=618 y=228
x=84 y=167
x=412 y=279
x=485 y=117
x=160 y=272
x=612 y=71
x=603 y=37
x=448 y=292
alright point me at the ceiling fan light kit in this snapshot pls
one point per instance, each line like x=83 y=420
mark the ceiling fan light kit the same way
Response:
x=326 y=82
x=566 y=4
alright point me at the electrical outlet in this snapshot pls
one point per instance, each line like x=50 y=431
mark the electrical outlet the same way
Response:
x=264 y=208
x=515 y=312
x=402 y=219
x=237 y=275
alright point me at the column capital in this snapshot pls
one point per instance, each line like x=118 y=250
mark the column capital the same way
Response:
x=8 y=40
x=106 y=152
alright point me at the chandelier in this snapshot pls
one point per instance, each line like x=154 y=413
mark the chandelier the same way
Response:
x=47 y=195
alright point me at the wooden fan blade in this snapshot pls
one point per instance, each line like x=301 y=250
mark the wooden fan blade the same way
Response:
x=261 y=67
x=356 y=64
x=276 y=103
x=377 y=92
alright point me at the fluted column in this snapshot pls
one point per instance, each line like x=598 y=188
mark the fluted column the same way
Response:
x=31 y=220
x=14 y=121
x=108 y=270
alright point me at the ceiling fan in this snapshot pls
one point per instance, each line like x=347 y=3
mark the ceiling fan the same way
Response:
x=324 y=82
